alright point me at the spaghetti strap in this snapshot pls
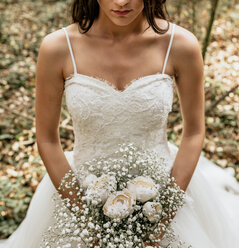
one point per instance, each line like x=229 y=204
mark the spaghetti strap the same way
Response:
x=169 y=47
x=71 y=52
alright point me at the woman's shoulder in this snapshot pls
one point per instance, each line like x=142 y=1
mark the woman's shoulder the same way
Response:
x=185 y=42
x=184 y=36
x=186 y=51
x=55 y=43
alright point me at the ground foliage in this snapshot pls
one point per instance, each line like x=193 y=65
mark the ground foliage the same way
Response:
x=23 y=24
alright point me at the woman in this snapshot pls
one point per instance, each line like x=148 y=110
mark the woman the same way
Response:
x=116 y=63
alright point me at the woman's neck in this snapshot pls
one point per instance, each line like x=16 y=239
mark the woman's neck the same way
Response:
x=105 y=28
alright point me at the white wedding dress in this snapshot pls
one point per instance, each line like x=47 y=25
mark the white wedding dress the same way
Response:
x=102 y=118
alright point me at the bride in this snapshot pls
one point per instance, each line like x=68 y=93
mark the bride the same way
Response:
x=118 y=64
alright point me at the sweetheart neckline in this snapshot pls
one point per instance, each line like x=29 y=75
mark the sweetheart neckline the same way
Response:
x=112 y=87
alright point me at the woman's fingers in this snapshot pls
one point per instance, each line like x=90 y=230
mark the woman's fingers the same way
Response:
x=152 y=244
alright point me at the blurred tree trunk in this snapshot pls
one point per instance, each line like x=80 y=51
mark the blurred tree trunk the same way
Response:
x=214 y=5
x=179 y=10
x=194 y=16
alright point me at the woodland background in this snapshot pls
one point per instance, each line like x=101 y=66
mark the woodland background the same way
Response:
x=23 y=24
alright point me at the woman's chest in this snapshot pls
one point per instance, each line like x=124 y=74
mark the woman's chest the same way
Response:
x=118 y=63
x=147 y=100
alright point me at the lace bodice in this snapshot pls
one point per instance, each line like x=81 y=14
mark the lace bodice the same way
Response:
x=103 y=116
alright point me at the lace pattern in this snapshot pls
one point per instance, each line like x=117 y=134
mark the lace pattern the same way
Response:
x=103 y=116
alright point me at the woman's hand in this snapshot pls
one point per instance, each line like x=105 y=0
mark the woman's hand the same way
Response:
x=96 y=243
x=152 y=242
x=164 y=225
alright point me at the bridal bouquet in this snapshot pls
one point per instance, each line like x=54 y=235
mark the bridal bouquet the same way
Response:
x=123 y=201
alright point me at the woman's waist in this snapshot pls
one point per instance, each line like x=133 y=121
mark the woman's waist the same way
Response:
x=83 y=154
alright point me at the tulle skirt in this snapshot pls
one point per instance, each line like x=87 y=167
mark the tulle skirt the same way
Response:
x=210 y=220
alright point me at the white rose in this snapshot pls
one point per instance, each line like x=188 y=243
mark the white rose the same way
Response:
x=120 y=204
x=98 y=192
x=152 y=210
x=88 y=181
x=143 y=187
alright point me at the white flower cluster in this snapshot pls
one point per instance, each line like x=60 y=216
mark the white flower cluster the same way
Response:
x=124 y=201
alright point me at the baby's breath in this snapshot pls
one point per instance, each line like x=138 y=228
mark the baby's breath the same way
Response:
x=84 y=221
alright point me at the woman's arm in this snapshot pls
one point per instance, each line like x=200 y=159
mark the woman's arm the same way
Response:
x=190 y=87
x=188 y=65
x=49 y=92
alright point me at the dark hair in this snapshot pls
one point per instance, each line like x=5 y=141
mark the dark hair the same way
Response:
x=85 y=12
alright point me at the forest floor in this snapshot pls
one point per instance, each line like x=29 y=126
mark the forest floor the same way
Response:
x=23 y=24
